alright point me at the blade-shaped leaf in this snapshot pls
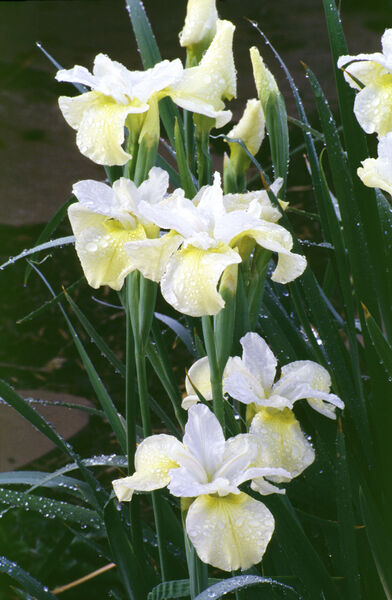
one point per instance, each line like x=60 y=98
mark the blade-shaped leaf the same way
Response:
x=70 y=239
x=29 y=583
x=241 y=582
x=50 y=227
x=51 y=508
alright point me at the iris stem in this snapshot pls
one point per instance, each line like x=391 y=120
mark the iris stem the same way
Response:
x=141 y=303
x=215 y=371
x=198 y=571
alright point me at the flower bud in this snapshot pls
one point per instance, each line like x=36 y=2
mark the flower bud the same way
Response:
x=264 y=80
x=200 y=25
x=250 y=129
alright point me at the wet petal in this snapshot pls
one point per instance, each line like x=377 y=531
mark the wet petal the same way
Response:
x=98 y=197
x=100 y=246
x=191 y=278
x=100 y=123
x=281 y=443
x=154 y=458
x=241 y=384
x=377 y=172
x=231 y=532
x=372 y=106
x=200 y=23
x=150 y=256
x=204 y=438
x=307 y=379
x=198 y=376
x=259 y=359
x=203 y=88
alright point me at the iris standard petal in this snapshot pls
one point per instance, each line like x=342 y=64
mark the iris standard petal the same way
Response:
x=98 y=197
x=259 y=359
x=204 y=438
x=197 y=377
x=150 y=256
x=154 y=458
x=241 y=384
x=281 y=442
x=100 y=246
x=230 y=532
x=191 y=278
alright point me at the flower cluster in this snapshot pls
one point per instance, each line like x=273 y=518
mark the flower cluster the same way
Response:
x=371 y=76
x=191 y=243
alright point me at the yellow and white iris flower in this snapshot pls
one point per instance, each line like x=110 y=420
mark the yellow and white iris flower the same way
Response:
x=105 y=217
x=377 y=172
x=373 y=102
x=99 y=116
x=211 y=227
x=229 y=529
x=250 y=380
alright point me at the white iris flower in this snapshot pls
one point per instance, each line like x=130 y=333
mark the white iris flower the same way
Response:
x=106 y=217
x=99 y=116
x=228 y=528
x=373 y=102
x=251 y=380
x=211 y=226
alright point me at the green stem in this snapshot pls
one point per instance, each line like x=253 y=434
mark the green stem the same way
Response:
x=215 y=371
x=198 y=571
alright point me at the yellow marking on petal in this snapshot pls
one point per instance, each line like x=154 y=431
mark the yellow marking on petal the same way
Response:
x=151 y=256
x=281 y=442
x=372 y=106
x=191 y=278
x=100 y=246
x=230 y=532
x=154 y=459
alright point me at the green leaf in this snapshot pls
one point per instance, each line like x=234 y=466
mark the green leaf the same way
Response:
x=173 y=589
x=96 y=337
x=41 y=479
x=51 y=302
x=276 y=125
x=174 y=177
x=379 y=540
x=105 y=400
x=346 y=520
x=145 y=38
x=305 y=562
x=187 y=182
x=381 y=344
x=70 y=239
x=220 y=589
x=51 y=508
x=364 y=197
x=29 y=584
x=179 y=329
x=134 y=578
x=49 y=228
